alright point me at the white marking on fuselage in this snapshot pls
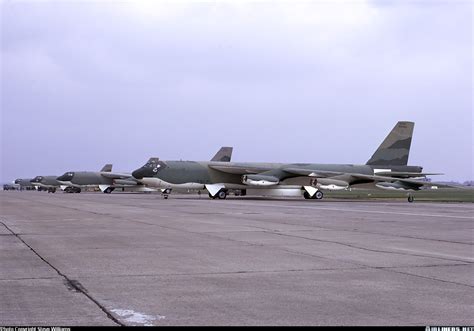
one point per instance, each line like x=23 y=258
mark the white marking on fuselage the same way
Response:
x=138 y=318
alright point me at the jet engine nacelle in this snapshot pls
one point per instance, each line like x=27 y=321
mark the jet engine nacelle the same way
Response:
x=259 y=180
x=332 y=187
x=329 y=184
x=393 y=186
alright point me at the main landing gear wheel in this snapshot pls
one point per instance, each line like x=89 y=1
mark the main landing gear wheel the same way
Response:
x=108 y=190
x=411 y=198
x=221 y=194
x=318 y=195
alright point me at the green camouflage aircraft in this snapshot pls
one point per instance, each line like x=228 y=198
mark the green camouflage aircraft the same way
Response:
x=49 y=183
x=107 y=181
x=24 y=183
x=386 y=169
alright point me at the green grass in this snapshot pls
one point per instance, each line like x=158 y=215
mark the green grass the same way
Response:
x=442 y=194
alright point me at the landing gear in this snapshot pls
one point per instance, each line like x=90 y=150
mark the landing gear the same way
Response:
x=165 y=192
x=411 y=198
x=109 y=190
x=318 y=195
x=51 y=190
x=71 y=189
x=222 y=194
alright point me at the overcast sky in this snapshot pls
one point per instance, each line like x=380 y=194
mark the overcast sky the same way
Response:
x=86 y=83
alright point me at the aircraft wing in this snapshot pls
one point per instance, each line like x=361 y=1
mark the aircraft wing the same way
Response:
x=115 y=175
x=312 y=173
x=377 y=179
x=402 y=174
x=324 y=173
x=354 y=178
x=237 y=169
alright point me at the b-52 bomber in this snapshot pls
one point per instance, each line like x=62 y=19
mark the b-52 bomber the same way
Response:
x=107 y=181
x=49 y=183
x=386 y=169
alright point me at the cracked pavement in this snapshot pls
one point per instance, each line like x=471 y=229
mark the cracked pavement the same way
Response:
x=78 y=259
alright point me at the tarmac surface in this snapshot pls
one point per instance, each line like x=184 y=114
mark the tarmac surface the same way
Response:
x=138 y=259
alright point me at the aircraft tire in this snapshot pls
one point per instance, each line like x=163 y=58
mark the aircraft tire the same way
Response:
x=411 y=198
x=306 y=195
x=318 y=195
x=221 y=194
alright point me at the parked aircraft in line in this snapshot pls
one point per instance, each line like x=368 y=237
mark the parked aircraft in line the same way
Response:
x=49 y=183
x=107 y=181
x=24 y=183
x=386 y=169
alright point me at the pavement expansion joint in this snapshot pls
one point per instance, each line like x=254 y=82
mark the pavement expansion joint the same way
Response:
x=372 y=250
x=74 y=284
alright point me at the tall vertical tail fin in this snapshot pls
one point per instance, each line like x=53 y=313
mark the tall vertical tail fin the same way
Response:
x=395 y=149
x=106 y=168
x=223 y=155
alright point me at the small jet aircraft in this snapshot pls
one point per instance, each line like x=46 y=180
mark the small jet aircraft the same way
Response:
x=386 y=169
